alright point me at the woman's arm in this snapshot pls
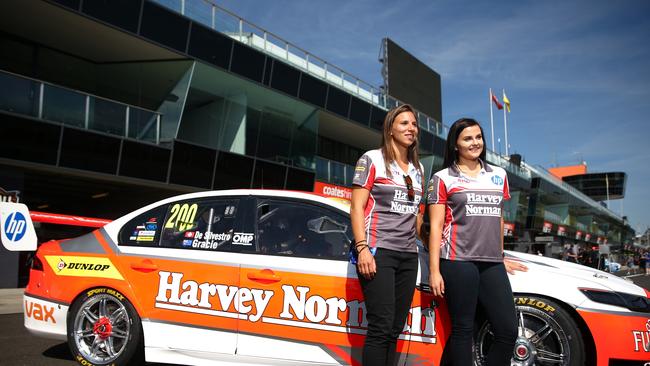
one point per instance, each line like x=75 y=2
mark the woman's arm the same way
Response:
x=365 y=261
x=436 y=221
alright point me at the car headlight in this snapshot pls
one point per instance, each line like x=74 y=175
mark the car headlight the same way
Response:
x=628 y=301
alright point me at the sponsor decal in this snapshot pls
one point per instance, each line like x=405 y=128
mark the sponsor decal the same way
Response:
x=144 y=238
x=83 y=266
x=243 y=238
x=360 y=169
x=146 y=233
x=497 y=180
x=331 y=190
x=40 y=312
x=642 y=338
x=189 y=234
x=15 y=226
x=301 y=307
x=462 y=180
x=536 y=303
x=187 y=243
x=151 y=227
x=140 y=227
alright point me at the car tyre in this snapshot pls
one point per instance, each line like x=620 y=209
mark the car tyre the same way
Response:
x=547 y=335
x=104 y=329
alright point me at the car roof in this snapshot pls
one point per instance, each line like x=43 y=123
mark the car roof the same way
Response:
x=307 y=196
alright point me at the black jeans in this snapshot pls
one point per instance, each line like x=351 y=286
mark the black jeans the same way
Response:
x=388 y=297
x=466 y=285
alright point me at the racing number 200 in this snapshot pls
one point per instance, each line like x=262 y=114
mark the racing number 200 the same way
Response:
x=182 y=216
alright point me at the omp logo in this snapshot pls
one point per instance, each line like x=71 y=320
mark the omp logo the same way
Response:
x=39 y=312
x=497 y=180
x=83 y=267
x=15 y=226
x=243 y=238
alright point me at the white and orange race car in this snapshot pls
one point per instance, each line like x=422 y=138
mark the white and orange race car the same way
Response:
x=259 y=277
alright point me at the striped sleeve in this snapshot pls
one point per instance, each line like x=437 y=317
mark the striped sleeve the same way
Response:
x=437 y=191
x=364 y=173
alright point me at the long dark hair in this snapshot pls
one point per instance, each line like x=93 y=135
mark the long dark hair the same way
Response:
x=451 y=154
x=387 y=138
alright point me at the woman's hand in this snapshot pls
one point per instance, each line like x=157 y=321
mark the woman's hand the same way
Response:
x=437 y=284
x=366 y=264
x=513 y=265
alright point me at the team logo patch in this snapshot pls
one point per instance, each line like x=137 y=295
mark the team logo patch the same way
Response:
x=497 y=180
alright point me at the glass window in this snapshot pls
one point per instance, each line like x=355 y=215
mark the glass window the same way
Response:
x=205 y=225
x=143 y=230
x=302 y=230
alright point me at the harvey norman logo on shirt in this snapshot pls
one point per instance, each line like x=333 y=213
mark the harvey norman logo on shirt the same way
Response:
x=483 y=204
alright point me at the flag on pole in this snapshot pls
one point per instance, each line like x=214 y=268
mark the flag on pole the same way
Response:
x=506 y=101
x=496 y=101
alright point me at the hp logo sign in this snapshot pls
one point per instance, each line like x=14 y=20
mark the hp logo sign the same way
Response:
x=15 y=226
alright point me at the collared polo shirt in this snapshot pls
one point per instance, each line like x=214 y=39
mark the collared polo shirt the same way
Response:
x=473 y=211
x=389 y=214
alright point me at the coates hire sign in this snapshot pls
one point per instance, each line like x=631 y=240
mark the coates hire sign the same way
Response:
x=331 y=190
x=9 y=196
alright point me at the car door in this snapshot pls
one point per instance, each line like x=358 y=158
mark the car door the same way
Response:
x=184 y=269
x=309 y=306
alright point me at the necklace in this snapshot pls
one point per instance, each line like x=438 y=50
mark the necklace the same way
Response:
x=469 y=173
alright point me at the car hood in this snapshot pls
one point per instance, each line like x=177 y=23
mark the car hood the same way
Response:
x=577 y=271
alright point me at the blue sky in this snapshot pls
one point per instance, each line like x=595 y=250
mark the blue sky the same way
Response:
x=577 y=73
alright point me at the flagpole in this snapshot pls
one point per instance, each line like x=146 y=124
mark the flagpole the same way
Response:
x=491 y=119
x=505 y=124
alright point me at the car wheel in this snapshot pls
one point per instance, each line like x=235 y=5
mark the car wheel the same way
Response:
x=104 y=329
x=547 y=335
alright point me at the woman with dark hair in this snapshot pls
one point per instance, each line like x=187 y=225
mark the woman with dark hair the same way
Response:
x=385 y=215
x=465 y=202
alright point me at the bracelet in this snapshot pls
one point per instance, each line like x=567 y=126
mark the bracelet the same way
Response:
x=364 y=247
x=360 y=241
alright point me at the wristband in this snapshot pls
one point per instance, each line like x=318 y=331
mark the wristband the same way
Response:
x=360 y=241
x=364 y=247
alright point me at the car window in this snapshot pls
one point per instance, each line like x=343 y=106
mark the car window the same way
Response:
x=302 y=230
x=143 y=230
x=206 y=225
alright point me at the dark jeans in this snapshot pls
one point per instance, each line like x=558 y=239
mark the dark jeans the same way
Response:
x=466 y=285
x=388 y=297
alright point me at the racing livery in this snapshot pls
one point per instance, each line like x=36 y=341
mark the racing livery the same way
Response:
x=262 y=277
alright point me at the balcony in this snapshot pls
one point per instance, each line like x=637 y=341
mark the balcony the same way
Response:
x=35 y=98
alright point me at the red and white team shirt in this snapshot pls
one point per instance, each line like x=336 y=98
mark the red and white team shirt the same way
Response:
x=389 y=215
x=473 y=211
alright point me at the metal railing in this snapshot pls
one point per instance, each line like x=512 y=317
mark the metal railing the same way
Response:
x=27 y=96
x=222 y=20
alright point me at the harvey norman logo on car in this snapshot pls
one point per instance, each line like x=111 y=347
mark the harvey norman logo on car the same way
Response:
x=300 y=307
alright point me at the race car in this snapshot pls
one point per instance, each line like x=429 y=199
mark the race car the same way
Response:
x=263 y=277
